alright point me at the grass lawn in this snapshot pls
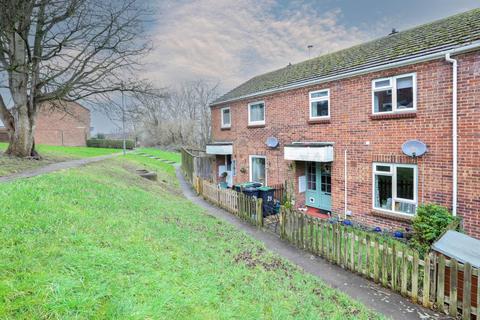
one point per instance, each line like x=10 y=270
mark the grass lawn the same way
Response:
x=50 y=154
x=100 y=242
x=167 y=155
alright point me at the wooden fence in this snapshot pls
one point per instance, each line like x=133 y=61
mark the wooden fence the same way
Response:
x=187 y=164
x=246 y=208
x=432 y=281
x=195 y=163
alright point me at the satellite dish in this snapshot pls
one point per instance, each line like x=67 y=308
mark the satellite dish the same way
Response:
x=414 y=148
x=272 y=142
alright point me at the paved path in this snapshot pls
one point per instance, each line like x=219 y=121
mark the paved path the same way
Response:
x=373 y=296
x=55 y=167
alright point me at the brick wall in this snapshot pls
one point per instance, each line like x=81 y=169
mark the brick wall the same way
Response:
x=367 y=140
x=68 y=124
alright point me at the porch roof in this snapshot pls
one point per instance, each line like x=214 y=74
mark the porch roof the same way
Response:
x=220 y=148
x=309 y=151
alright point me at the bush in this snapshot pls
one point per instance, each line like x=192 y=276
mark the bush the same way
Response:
x=429 y=223
x=107 y=143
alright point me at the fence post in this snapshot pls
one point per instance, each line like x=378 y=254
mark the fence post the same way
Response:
x=441 y=284
x=259 y=212
x=282 y=222
x=426 y=282
x=467 y=291
x=453 y=288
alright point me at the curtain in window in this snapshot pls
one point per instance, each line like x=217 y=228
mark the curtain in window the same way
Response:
x=256 y=112
x=258 y=170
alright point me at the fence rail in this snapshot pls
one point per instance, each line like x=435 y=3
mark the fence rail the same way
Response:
x=432 y=281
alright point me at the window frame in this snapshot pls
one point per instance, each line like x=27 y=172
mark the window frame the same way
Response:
x=393 y=88
x=310 y=100
x=393 y=173
x=256 y=123
x=222 y=122
x=250 y=171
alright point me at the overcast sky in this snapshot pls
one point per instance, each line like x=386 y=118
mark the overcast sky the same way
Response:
x=230 y=41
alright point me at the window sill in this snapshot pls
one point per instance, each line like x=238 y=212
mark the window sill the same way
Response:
x=225 y=128
x=398 y=115
x=318 y=121
x=392 y=215
x=251 y=126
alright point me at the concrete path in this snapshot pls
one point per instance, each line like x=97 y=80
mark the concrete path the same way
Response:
x=55 y=167
x=373 y=296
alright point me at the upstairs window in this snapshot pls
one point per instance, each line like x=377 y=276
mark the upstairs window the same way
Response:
x=394 y=94
x=256 y=113
x=226 y=117
x=395 y=188
x=319 y=104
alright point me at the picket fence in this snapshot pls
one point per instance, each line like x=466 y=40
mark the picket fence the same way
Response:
x=246 y=208
x=432 y=281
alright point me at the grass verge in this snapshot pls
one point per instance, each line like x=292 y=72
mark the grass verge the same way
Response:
x=100 y=242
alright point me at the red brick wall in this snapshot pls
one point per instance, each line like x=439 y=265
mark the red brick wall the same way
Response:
x=368 y=140
x=68 y=125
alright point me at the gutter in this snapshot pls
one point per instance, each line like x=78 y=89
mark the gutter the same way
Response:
x=454 y=63
x=417 y=59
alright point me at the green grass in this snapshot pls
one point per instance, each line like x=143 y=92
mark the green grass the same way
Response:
x=167 y=155
x=50 y=154
x=100 y=242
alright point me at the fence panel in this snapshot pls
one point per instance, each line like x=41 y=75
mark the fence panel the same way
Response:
x=390 y=264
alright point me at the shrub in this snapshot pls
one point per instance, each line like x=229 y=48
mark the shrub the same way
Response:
x=107 y=143
x=429 y=223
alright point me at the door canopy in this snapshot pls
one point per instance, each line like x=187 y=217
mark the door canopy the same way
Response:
x=309 y=151
x=220 y=148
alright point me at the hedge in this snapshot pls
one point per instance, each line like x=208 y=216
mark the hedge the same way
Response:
x=108 y=143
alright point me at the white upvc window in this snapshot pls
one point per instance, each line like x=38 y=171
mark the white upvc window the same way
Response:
x=395 y=94
x=395 y=188
x=319 y=104
x=256 y=113
x=226 y=117
x=258 y=169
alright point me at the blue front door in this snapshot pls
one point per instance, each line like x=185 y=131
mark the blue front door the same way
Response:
x=319 y=185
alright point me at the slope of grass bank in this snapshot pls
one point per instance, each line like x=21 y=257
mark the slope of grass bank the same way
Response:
x=166 y=155
x=100 y=242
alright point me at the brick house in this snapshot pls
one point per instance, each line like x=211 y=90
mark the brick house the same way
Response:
x=63 y=123
x=341 y=119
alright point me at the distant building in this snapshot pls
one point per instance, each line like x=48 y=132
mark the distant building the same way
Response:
x=63 y=124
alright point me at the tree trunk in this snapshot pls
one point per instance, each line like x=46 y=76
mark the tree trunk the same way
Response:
x=21 y=140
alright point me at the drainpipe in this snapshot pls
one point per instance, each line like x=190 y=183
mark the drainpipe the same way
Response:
x=454 y=63
x=346 y=185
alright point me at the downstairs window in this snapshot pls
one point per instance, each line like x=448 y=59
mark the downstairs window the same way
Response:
x=395 y=187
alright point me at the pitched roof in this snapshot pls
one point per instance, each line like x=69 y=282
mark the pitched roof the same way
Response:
x=440 y=35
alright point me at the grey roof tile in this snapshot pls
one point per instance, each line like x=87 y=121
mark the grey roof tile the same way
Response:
x=439 y=35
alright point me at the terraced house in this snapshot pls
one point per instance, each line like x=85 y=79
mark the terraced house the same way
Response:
x=336 y=125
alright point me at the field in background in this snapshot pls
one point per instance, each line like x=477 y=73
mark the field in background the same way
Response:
x=101 y=242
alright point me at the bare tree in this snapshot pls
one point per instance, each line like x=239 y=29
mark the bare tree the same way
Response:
x=64 y=49
x=177 y=118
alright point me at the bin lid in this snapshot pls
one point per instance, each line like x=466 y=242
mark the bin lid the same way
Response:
x=459 y=246
x=250 y=189
x=265 y=188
